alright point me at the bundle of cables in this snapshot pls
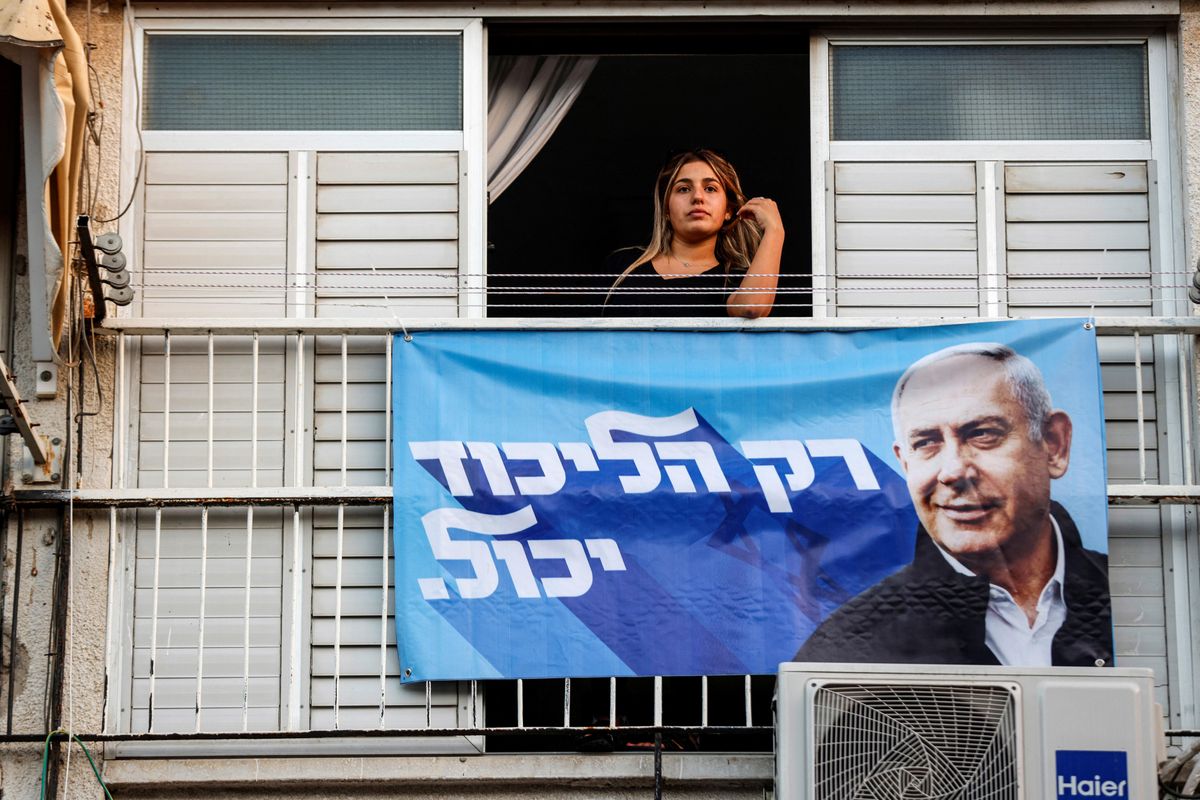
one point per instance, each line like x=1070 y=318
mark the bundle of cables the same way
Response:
x=46 y=760
x=1179 y=777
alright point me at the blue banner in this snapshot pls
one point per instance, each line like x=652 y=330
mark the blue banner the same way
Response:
x=617 y=503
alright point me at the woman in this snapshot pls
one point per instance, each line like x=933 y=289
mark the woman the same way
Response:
x=712 y=251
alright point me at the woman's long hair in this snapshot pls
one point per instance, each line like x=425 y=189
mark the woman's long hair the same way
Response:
x=737 y=240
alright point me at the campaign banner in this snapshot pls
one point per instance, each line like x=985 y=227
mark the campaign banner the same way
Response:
x=622 y=503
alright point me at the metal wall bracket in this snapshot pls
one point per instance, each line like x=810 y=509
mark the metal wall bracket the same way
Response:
x=49 y=470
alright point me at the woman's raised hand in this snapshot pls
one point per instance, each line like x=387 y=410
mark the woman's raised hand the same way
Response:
x=763 y=211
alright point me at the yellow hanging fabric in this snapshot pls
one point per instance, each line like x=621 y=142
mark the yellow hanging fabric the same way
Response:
x=62 y=190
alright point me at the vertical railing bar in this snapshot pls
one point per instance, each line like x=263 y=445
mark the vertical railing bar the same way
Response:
x=254 y=412
x=204 y=532
x=341 y=533
x=296 y=669
x=1183 y=351
x=383 y=619
x=612 y=702
x=203 y=598
x=387 y=412
x=295 y=666
x=566 y=702
x=345 y=402
x=1141 y=407
x=337 y=617
x=113 y=628
x=749 y=714
x=211 y=409
x=520 y=703
x=246 y=619
x=387 y=532
x=166 y=463
x=703 y=701
x=254 y=366
x=474 y=704
x=121 y=418
x=298 y=426
x=154 y=616
x=428 y=704
x=658 y=687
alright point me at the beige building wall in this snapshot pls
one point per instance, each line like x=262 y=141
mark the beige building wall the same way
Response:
x=617 y=777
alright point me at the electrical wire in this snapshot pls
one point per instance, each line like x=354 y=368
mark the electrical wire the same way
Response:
x=137 y=121
x=1174 y=795
x=86 y=752
x=96 y=128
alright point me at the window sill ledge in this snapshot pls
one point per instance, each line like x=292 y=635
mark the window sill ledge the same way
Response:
x=602 y=769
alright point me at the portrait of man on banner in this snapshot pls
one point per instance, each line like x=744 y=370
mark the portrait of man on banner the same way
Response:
x=999 y=574
x=716 y=503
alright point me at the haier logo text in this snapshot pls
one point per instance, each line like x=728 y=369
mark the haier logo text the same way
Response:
x=1091 y=773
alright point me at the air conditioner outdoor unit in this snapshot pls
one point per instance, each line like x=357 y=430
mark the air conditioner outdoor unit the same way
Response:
x=875 y=732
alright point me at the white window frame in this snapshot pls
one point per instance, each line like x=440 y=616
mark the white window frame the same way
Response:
x=470 y=143
x=1161 y=147
x=301 y=146
x=1173 y=363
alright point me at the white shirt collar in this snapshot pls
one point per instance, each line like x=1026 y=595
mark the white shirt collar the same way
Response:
x=1059 y=559
x=1007 y=631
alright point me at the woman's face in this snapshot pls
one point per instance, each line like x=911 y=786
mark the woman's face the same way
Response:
x=696 y=203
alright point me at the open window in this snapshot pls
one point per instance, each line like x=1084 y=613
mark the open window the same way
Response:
x=653 y=91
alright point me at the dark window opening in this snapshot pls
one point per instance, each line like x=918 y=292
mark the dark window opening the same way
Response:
x=682 y=702
x=588 y=192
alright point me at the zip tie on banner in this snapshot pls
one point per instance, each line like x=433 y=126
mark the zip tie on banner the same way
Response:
x=404 y=330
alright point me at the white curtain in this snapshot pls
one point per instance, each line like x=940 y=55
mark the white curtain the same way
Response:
x=528 y=96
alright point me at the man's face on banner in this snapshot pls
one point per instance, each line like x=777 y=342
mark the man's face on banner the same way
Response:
x=980 y=486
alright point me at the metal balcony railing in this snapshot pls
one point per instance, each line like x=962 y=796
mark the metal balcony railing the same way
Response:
x=307 y=442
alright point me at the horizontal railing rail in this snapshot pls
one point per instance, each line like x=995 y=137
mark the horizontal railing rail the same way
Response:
x=325 y=326
x=1118 y=494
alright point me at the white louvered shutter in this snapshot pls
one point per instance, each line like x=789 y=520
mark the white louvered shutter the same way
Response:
x=904 y=239
x=913 y=239
x=387 y=234
x=1078 y=242
x=214 y=235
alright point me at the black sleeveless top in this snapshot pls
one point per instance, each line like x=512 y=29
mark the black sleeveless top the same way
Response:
x=645 y=293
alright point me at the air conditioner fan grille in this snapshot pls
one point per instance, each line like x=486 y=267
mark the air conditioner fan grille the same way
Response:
x=915 y=742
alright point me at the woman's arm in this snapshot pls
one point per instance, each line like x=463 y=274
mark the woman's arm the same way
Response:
x=756 y=295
